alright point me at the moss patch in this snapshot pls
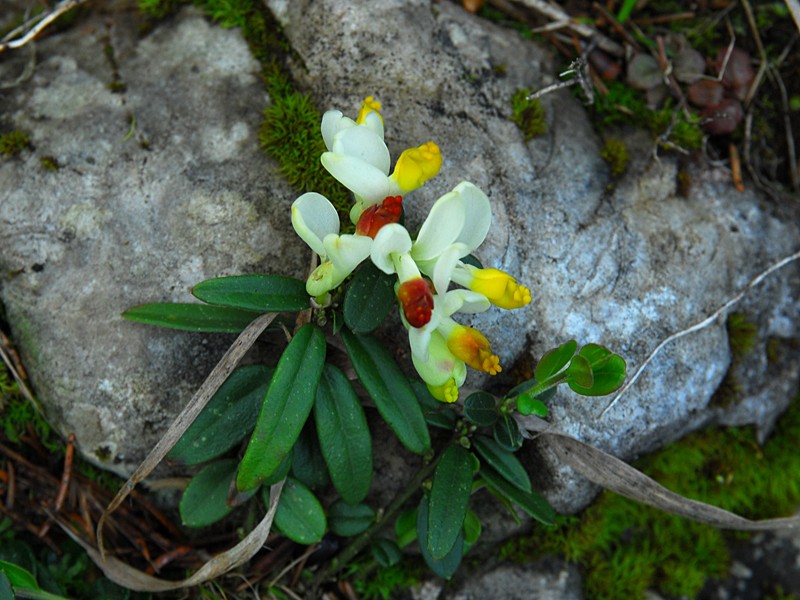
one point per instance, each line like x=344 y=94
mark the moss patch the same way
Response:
x=528 y=114
x=625 y=548
x=616 y=154
x=14 y=142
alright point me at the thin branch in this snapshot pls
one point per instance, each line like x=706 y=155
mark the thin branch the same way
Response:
x=701 y=325
x=34 y=26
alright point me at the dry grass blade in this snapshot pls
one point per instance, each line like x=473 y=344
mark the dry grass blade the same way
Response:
x=613 y=474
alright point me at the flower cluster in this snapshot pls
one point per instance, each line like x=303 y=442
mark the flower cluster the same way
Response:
x=425 y=267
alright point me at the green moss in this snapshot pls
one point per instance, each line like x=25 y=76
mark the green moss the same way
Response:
x=624 y=547
x=616 y=154
x=381 y=583
x=160 y=9
x=19 y=417
x=14 y=142
x=49 y=163
x=528 y=114
x=742 y=334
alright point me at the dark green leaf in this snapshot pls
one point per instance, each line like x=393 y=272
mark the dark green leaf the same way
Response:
x=192 y=317
x=369 y=298
x=405 y=527
x=348 y=520
x=579 y=372
x=228 y=417
x=308 y=465
x=480 y=408
x=555 y=360
x=204 y=501
x=449 y=500
x=437 y=414
x=6 y=593
x=286 y=407
x=282 y=470
x=503 y=461
x=608 y=371
x=389 y=389
x=299 y=515
x=506 y=432
x=444 y=567
x=472 y=528
x=386 y=553
x=343 y=435
x=262 y=293
x=531 y=502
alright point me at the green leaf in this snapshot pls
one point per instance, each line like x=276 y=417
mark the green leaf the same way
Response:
x=369 y=298
x=348 y=520
x=6 y=593
x=262 y=293
x=608 y=371
x=449 y=500
x=446 y=566
x=531 y=502
x=228 y=417
x=343 y=435
x=472 y=528
x=506 y=432
x=286 y=407
x=282 y=470
x=389 y=389
x=308 y=465
x=299 y=515
x=437 y=414
x=19 y=577
x=503 y=461
x=480 y=408
x=555 y=360
x=386 y=553
x=579 y=372
x=529 y=405
x=192 y=317
x=204 y=501
x=405 y=527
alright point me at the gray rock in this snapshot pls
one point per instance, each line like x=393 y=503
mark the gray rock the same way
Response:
x=625 y=266
x=158 y=188
x=546 y=579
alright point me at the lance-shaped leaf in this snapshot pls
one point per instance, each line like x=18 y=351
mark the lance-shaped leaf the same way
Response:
x=449 y=500
x=308 y=465
x=446 y=566
x=300 y=516
x=502 y=461
x=555 y=360
x=204 y=501
x=343 y=435
x=389 y=389
x=286 y=407
x=192 y=317
x=262 y=293
x=506 y=433
x=531 y=502
x=229 y=416
x=369 y=299
x=437 y=414
x=608 y=371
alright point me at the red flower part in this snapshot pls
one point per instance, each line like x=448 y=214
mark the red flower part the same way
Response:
x=417 y=300
x=378 y=215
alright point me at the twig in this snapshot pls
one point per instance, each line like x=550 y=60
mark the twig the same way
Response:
x=34 y=26
x=701 y=325
x=794 y=8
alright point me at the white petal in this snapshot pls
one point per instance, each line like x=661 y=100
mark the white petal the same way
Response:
x=443 y=268
x=313 y=218
x=362 y=178
x=374 y=122
x=419 y=339
x=478 y=215
x=464 y=301
x=441 y=228
x=363 y=143
x=347 y=252
x=332 y=123
x=391 y=239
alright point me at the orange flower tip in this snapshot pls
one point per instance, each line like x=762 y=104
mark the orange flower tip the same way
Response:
x=417 y=301
x=378 y=215
x=491 y=364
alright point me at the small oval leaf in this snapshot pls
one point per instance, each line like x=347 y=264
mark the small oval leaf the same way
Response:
x=531 y=502
x=227 y=418
x=446 y=566
x=343 y=434
x=608 y=371
x=369 y=299
x=389 y=389
x=405 y=527
x=299 y=515
x=528 y=405
x=506 y=433
x=503 y=461
x=262 y=293
x=481 y=408
x=386 y=553
x=579 y=372
x=191 y=317
x=449 y=500
x=204 y=501
x=286 y=407
x=555 y=360
x=348 y=520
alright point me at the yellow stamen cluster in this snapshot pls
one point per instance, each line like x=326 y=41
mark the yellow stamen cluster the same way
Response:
x=471 y=346
x=447 y=392
x=500 y=288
